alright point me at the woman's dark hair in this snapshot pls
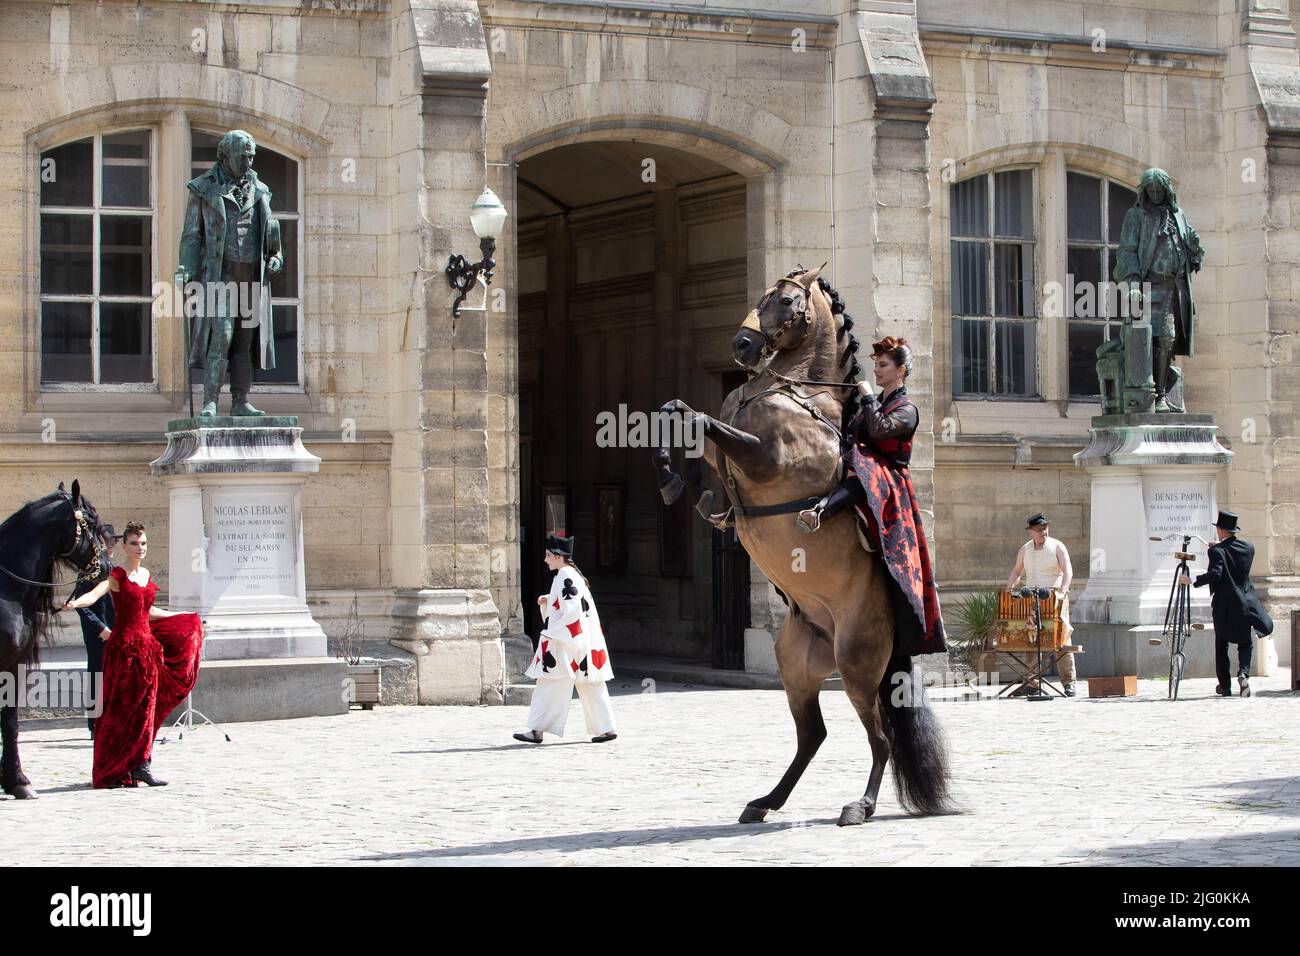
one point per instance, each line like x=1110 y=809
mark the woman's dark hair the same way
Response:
x=132 y=528
x=899 y=352
x=568 y=562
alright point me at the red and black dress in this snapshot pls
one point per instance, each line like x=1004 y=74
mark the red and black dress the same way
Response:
x=149 y=668
x=878 y=457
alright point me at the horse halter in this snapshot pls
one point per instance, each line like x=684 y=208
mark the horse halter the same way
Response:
x=89 y=569
x=769 y=341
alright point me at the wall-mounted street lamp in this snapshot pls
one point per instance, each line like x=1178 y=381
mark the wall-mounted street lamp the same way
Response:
x=487 y=216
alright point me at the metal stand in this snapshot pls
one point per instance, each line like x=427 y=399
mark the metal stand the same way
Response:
x=1038 y=594
x=186 y=720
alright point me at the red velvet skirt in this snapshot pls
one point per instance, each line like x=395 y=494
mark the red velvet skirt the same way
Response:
x=146 y=674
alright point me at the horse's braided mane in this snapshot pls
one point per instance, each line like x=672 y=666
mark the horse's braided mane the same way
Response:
x=847 y=350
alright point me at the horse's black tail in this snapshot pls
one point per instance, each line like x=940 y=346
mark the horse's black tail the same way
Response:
x=918 y=747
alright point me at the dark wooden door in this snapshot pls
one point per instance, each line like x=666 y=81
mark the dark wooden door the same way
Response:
x=730 y=600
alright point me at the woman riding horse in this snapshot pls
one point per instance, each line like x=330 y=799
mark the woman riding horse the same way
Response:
x=876 y=463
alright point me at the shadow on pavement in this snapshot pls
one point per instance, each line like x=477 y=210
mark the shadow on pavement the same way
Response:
x=1276 y=847
x=569 y=843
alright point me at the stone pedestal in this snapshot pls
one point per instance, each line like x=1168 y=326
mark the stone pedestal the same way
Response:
x=235 y=488
x=1152 y=475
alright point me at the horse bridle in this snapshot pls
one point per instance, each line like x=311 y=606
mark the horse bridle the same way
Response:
x=82 y=530
x=753 y=323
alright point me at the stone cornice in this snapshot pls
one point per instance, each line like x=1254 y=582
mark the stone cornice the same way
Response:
x=666 y=20
x=1061 y=50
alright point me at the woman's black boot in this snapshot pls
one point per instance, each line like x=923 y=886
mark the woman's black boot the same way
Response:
x=144 y=774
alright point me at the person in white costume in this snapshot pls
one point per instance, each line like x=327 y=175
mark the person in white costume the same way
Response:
x=1045 y=563
x=571 y=652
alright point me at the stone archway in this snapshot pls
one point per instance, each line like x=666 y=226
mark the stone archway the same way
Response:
x=752 y=154
x=631 y=278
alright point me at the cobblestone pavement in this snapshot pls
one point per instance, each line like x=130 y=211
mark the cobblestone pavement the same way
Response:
x=1135 y=781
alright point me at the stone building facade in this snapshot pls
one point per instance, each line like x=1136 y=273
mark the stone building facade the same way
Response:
x=662 y=164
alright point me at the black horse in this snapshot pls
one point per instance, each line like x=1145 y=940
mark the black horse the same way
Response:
x=61 y=527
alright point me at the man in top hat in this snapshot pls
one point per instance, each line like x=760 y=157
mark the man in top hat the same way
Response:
x=1045 y=563
x=1234 y=604
x=96 y=625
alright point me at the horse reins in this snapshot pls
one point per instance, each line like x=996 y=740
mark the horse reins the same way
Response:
x=787 y=389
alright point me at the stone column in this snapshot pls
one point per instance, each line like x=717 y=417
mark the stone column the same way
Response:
x=883 y=100
x=444 y=612
x=1263 y=318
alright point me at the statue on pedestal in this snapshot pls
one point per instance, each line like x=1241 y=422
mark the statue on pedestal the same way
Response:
x=230 y=244
x=1158 y=249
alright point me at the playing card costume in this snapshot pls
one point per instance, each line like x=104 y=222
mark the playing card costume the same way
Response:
x=570 y=653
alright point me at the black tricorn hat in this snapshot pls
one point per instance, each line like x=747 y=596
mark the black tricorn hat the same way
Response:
x=557 y=545
x=1227 y=521
x=110 y=533
x=1036 y=521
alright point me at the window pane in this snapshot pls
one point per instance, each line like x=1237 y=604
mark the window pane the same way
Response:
x=125 y=175
x=280 y=174
x=1013 y=273
x=1085 y=339
x=67 y=174
x=1015 y=367
x=285 y=285
x=1083 y=201
x=970 y=356
x=203 y=150
x=285 y=318
x=65 y=342
x=970 y=207
x=1121 y=201
x=1013 y=204
x=66 y=267
x=124 y=255
x=125 y=342
x=1084 y=267
x=970 y=281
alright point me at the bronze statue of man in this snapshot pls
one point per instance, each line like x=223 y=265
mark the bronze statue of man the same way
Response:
x=231 y=244
x=1158 y=249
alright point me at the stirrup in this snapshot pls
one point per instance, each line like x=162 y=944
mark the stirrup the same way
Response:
x=809 y=526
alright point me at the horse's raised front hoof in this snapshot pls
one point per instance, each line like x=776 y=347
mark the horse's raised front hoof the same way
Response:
x=753 y=814
x=856 y=813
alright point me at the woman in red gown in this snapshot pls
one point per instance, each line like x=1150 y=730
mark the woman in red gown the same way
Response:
x=151 y=660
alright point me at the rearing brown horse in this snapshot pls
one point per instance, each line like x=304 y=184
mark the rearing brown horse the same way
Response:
x=777 y=447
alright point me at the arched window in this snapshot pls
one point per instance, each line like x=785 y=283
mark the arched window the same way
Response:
x=1095 y=209
x=97 y=230
x=993 y=299
x=279 y=174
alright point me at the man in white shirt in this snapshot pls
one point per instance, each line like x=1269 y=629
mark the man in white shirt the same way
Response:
x=1045 y=563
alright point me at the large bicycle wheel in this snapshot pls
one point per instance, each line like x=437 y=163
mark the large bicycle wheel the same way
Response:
x=1176 y=665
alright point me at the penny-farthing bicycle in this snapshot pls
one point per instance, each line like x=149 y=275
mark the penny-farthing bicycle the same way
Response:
x=1178 y=612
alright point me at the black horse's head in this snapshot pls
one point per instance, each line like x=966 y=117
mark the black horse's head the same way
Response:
x=84 y=541
x=780 y=321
